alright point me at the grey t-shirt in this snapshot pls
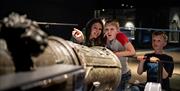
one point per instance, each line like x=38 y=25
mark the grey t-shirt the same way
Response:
x=119 y=44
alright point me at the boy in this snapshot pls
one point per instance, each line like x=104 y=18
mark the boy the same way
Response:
x=122 y=47
x=157 y=62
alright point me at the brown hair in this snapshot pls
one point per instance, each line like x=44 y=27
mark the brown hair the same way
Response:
x=163 y=34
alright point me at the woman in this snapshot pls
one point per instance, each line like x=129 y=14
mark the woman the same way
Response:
x=91 y=35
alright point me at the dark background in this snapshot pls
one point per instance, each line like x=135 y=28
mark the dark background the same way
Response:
x=59 y=11
x=80 y=11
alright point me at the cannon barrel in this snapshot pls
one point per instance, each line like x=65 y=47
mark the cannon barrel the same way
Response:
x=100 y=64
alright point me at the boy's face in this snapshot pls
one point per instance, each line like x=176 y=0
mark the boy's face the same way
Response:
x=158 y=42
x=110 y=31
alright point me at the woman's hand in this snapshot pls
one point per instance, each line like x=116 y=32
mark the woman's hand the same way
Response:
x=78 y=35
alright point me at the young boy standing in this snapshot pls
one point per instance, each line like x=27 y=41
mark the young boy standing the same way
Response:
x=153 y=62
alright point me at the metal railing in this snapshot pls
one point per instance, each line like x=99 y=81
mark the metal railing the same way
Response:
x=171 y=33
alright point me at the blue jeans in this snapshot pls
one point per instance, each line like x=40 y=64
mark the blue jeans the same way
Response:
x=124 y=81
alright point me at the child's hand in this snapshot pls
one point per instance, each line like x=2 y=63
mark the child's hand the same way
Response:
x=141 y=58
x=78 y=35
x=154 y=59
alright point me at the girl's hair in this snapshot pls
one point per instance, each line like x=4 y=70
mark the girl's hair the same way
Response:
x=89 y=24
x=163 y=34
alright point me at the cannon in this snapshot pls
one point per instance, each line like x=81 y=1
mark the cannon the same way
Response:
x=100 y=64
x=34 y=49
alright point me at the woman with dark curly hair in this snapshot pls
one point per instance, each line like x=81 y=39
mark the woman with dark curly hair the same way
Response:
x=91 y=35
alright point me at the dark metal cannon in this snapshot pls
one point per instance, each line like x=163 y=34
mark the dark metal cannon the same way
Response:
x=102 y=67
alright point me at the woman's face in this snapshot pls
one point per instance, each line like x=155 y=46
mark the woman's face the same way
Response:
x=96 y=30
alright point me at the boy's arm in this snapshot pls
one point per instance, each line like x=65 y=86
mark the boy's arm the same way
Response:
x=168 y=68
x=164 y=73
x=129 y=51
x=141 y=64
